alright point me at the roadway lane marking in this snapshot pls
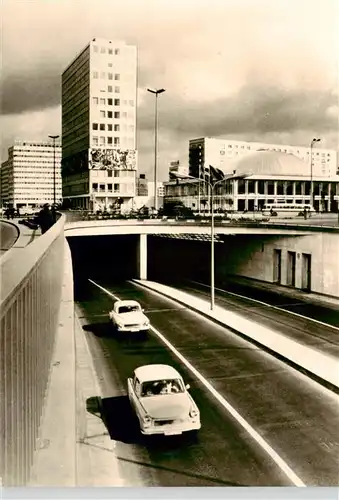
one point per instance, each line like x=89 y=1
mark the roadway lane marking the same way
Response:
x=226 y=405
x=269 y=305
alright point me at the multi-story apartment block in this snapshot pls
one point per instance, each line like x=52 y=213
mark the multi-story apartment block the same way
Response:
x=31 y=176
x=224 y=153
x=99 y=106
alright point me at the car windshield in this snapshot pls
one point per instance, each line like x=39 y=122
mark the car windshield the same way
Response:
x=156 y=387
x=128 y=309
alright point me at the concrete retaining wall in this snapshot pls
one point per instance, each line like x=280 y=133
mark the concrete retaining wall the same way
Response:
x=30 y=300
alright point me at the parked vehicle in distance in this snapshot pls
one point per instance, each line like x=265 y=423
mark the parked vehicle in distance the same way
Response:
x=128 y=316
x=287 y=209
x=161 y=401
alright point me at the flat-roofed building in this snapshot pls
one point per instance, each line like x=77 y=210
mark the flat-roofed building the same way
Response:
x=225 y=153
x=99 y=106
x=257 y=179
x=27 y=176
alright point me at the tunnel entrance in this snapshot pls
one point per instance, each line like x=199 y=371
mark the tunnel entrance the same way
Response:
x=104 y=258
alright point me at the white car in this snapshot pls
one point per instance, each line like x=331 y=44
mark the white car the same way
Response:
x=127 y=316
x=161 y=401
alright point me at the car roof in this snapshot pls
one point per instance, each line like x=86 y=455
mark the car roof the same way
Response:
x=126 y=303
x=155 y=372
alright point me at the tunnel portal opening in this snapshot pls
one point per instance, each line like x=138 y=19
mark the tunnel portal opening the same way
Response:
x=108 y=259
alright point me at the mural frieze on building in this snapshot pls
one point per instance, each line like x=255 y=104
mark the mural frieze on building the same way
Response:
x=112 y=159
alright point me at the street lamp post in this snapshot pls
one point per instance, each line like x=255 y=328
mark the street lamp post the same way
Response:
x=156 y=92
x=54 y=137
x=211 y=187
x=311 y=162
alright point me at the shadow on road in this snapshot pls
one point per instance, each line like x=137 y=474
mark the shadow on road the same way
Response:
x=100 y=329
x=122 y=425
x=107 y=330
x=117 y=415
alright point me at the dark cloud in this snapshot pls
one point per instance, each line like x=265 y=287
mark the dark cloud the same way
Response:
x=252 y=110
x=30 y=91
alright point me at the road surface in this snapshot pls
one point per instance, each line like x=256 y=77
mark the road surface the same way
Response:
x=293 y=416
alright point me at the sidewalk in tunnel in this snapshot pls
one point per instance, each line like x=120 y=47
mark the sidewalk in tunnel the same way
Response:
x=74 y=447
x=322 y=366
x=288 y=292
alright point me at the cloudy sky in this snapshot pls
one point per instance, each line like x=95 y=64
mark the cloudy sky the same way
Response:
x=261 y=70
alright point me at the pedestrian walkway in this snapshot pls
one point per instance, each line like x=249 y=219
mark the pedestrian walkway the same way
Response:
x=26 y=236
x=323 y=366
x=74 y=447
x=291 y=292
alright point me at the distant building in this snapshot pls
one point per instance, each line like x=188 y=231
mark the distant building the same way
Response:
x=259 y=178
x=160 y=193
x=27 y=176
x=224 y=153
x=142 y=185
x=175 y=170
x=99 y=106
x=147 y=199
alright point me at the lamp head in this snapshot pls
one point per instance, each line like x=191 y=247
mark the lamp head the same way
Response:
x=156 y=91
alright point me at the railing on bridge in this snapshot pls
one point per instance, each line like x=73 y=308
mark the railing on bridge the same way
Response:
x=31 y=281
x=321 y=220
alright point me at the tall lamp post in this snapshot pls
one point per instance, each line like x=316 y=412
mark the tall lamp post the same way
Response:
x=311 y=162
x=156 y=92
x=54 y=137
x=211 y=188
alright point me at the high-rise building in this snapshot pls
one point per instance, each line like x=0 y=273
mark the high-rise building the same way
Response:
x=224 y=154
x=99 y=106
x=27 y=176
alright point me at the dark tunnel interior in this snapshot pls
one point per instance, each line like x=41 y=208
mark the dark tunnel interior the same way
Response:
x=115 y=259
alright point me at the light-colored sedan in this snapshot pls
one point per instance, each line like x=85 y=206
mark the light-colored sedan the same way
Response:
x=128 y=316
x=161 y=401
